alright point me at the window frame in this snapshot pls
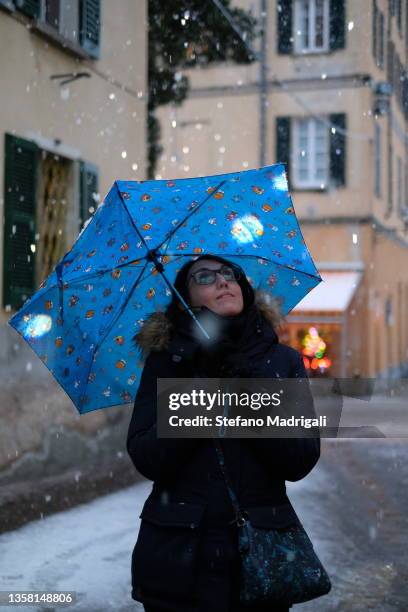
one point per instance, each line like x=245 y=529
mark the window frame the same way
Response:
x=377 y=160
x=73 y=46
x=309 y=183
x=62 y=21
x=298 y=49
x=399 y=16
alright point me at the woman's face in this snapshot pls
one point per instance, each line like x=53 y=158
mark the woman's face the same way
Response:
x=222 y=297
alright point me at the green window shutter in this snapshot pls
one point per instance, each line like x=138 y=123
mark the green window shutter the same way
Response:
x=405 y=94
x=337 y=24
x=89 y=186
x=381 y=49
x=390 y=62
x=338 y=151
x=374 y=18
x=31 y=8
x=90 y=26
x=283 y=143
x=21 y=162
x=284 y=26
x=391 y=8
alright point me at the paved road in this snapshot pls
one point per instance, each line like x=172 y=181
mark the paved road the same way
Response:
x=354 y=506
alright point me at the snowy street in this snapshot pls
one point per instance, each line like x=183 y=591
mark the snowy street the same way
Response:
x=353 y=506
x=86 y=550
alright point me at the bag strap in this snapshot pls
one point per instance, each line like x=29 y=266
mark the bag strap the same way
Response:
x=239 y=517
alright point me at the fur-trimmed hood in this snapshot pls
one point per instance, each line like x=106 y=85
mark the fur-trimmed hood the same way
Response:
x=157 y=330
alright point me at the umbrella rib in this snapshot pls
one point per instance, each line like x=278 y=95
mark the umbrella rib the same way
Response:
x=278 y=264
x=133 y=223
x=114 y=319
x=173 y=231
x=226 y=255
x=98 y=273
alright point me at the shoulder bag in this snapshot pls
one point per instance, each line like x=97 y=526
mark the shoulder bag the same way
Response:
x=277 y=565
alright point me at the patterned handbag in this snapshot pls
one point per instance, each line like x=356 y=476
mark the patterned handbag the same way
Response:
x=277 y=565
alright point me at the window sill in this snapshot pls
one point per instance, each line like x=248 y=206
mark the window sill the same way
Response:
x=298 y=53
x=311 y=186
x=56 y=38
x=310 y=189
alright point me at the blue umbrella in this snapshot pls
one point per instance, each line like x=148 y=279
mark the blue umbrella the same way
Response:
x=82 y=319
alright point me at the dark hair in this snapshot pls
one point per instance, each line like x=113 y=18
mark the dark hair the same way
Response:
x=180 y=284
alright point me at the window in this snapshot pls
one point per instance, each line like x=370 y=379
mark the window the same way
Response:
x=311 y=26
x=89 y=196
x=391 y=8
x=378 y=36
x=75 y=24
x=52 y=12
x=390 y=185
x=313 y=150
x=390 y=62
x=405 y=203
x=374 y=38
x=377 y=172
x=388 y=312
x=37 y=187
x=381 y=41
x=399 y=81
x=400 y=191
x=20 y=183
x=311 y=153
x=398 y=9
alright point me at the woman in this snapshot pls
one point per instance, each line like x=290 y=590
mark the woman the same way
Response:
x=186 y=555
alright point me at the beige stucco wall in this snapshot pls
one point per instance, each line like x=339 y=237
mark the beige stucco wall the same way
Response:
x=95 y=119
x=216 y=130
x=82 y=115
x=202 y=142
x=225 y=100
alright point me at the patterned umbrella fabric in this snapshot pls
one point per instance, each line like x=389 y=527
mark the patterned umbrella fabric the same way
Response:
x=82 y=319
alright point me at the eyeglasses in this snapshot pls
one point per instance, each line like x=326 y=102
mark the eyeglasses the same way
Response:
x=208 y=277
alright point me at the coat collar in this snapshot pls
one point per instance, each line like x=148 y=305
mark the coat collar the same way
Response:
x=157 y=333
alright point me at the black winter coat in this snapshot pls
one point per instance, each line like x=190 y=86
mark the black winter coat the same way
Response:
x=186 y=555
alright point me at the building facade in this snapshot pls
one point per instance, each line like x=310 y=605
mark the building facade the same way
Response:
x=328 y=95
x=72 y=120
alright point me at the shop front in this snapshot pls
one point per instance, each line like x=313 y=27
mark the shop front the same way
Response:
x=319 y=327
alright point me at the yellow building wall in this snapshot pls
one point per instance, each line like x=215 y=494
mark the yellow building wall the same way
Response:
x=101 y=119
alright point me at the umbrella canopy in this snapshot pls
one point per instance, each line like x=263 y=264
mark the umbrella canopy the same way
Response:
x=82 y=319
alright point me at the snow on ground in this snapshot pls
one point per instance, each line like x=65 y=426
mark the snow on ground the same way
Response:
x=352 y=505
x=86 y=549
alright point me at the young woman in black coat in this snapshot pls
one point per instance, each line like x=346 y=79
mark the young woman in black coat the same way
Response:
x=186 y=555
